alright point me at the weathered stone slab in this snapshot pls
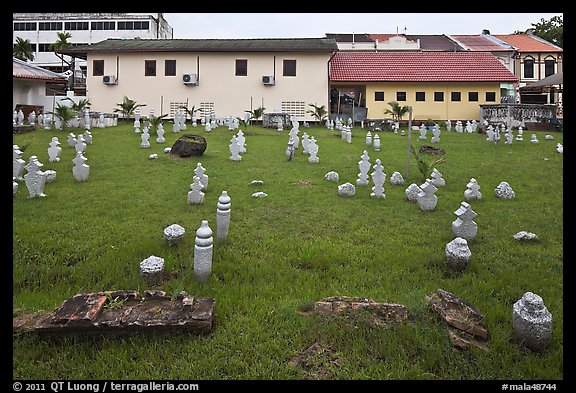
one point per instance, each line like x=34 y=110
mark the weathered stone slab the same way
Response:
x=381 y=314
x=121 y=313
x=465 y=322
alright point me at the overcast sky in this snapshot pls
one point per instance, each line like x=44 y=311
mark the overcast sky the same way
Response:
x=298 y=25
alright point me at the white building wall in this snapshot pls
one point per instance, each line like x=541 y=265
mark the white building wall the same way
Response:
x=49 y=59
x=231 y=95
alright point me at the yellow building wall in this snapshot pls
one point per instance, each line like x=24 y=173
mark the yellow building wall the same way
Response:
x=429 y=109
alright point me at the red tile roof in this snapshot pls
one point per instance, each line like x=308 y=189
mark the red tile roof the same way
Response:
x=23 y=70
x=528 y=43
x=480 y=42
x=418 y=67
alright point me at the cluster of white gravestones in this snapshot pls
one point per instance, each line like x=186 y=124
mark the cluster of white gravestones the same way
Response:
x=373 y=141
x=237 y=146
x=198 y=186
x=378 y=177
x=179 y=121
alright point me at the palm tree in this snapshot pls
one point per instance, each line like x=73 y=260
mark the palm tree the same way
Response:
x=61 y=43
x=155 y=121
x=424 y=167
x=81 y=105
x=23 y=50
x=319 y=112
x=64 y=113
x=190 y=112
x=397 y=111
x=256 y=113
x=127 y=107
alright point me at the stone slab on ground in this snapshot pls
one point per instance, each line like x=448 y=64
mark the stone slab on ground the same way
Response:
x=465 y=322
x=380 y=314
x=121 y=313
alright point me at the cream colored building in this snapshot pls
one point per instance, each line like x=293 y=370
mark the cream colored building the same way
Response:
x=225 y=77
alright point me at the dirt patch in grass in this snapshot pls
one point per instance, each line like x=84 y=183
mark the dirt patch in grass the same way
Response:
x=318 y=361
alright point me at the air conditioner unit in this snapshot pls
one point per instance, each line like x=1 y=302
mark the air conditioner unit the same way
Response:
x=268 y=80
x=190 y=79
x=109 y=80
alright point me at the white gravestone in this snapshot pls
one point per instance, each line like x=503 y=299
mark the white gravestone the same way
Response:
x=448 y=125
x=508 y=137
x=71 y=140
x=80 y=145
x=50 y=175
x=313 y=149
x=376 y=142
x=14 y=186
x=332 y=176
x=364 y=166
x=422 y=132
x=203 y=247
x=346 y=190
x=532 y=322
x=379 y=178
x=504 y=191
x=457 y=254
x=35 y=179
x=290 y=149
x=152 y=268
x=259 y=194
x=47 y=122
x=437 y=179
x=20 y=117
x=174 y=234
x=519 y=135
x=87 y=119
x=100 y=120
x=472 y=190
x=241 y=142
x=88 y=137
x=305 y=143
x=534 y=139
x=490 y=134
x=54 y=150
x=435 y=134
x=32 y=118
x=18 y=164
x=235 y=149
x=294 y=136
x=200 y=172
x=195 y=195
x=222 y=216
x=426 y=199
x=348 y=134
x=396 y=179
x=160 y=132
x=368 y=139
x=80 y=170
x=559 y=148
x=145 y=138
x=412 y=192
x=464 y=226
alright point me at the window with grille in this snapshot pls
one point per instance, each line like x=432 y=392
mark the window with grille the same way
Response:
x=175 y=107
x=206 y=109
x=294 y=108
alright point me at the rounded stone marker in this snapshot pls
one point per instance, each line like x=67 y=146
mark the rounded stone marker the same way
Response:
x=174 y=234
x=532 y=322
x=458 y=253
x=152 y=268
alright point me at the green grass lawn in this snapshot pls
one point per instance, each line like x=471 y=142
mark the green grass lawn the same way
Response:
x=300 y=244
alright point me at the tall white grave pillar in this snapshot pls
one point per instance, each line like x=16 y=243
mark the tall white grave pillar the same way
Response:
x=203 y=252
x=222 y=216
